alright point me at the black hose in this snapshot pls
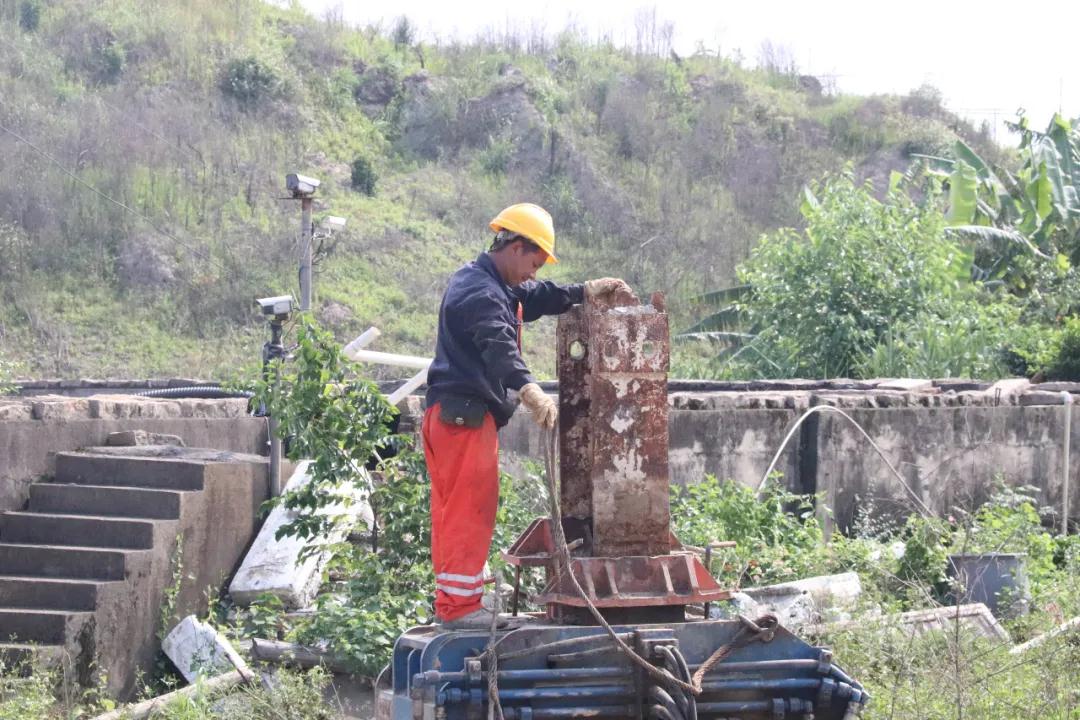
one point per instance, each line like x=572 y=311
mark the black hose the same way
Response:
x=201 y=392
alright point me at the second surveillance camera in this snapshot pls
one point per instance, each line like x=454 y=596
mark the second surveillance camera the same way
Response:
x=301 y=184
x=333 y=222
x=278 y=306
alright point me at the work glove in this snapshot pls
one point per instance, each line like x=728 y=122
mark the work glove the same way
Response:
x=544 y=410
x=606 y=286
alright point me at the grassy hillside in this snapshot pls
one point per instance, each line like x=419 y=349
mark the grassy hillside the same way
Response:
x=661 y=169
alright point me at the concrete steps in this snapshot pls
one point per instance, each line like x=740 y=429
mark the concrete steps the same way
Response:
x=77 y=530
x=66 y=561
x=18 y=656
x=54 y=627
x=84 y=568
x=18 y=591
x=117 y=470
x=72 y=499
x=93 y=532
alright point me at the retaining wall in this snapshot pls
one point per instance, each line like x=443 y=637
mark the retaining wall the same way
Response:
x=34 y=428
x=949 y=440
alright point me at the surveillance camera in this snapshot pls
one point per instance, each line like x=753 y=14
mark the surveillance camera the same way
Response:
x=277 y=306
x=301 y=184
x=333 y=222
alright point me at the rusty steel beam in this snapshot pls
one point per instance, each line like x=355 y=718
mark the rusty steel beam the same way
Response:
x=572 y=345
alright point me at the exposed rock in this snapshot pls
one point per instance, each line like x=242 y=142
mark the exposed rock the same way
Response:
x=146 y=261
x=377 y=86
x=333 y=314
x=810 y=85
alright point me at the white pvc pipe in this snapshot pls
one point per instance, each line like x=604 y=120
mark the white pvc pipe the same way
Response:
x=406 y=389
x=382 y=358
x=1065 y=489
x=362 y=341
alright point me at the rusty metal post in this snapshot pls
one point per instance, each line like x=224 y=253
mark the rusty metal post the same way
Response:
x=629 y=356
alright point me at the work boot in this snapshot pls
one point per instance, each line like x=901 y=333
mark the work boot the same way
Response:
x=479 y=619
x=497 y=598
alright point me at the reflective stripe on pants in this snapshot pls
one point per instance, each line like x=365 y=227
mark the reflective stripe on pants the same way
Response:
x=464 y=467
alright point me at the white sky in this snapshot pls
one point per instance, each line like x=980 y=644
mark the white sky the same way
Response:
x=987 y=58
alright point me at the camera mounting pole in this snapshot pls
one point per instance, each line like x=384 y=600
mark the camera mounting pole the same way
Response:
x=303 y=189
x=277 y=309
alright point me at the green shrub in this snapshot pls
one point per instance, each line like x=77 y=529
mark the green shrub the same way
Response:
x=250 y=81
x=364 y=176
x=495 y=158
x=825 y=297
x=1050 y=352
x=777 y=535
x=113 y=60
x=30 y=15
x=1064 y=363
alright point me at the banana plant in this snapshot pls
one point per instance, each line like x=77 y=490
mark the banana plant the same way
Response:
x=726 y=324
x=1035 y=211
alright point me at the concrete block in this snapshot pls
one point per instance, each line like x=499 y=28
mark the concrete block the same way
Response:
x=906 y=385
x=16 y=411
x=1041 y=397
x=131 y=438
x=794 y=608
x=1068 y=628
x=738 y=604
x=61 y=410
x=128 y=406
x=807 y=601
x=974 y=617
x=1008 y=387
x=840 y=589
x=1069 y=387
x=279 y=567
x=196 y=648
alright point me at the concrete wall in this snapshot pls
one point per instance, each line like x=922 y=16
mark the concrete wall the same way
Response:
x=949 y=457
x=34 y=429
x=950 y=441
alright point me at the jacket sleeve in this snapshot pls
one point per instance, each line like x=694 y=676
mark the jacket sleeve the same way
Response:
x=547 y=298
x=496 y=339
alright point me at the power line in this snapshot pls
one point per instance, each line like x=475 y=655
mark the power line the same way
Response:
x=202 y=254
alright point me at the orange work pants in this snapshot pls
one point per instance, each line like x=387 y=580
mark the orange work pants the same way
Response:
x=464 y=467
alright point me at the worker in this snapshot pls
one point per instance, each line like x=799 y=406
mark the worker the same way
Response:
x=475 y=383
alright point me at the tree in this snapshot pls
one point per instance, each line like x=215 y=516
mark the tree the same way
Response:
x=404 y=33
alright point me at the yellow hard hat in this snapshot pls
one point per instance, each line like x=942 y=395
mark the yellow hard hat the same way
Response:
x=530 y=221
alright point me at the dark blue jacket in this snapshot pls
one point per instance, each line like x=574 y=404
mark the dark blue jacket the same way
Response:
x=476 y=354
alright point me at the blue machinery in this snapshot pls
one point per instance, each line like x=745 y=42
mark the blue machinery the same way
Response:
x=627 y=565
x=548 y=672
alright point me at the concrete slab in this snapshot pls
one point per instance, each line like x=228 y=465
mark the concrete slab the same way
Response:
x=197 y=649
x=278 y=566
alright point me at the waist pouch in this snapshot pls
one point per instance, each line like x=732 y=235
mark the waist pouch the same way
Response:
x=462 y=411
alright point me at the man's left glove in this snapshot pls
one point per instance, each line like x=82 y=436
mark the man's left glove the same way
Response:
x=543 y=408
x=606 y=286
